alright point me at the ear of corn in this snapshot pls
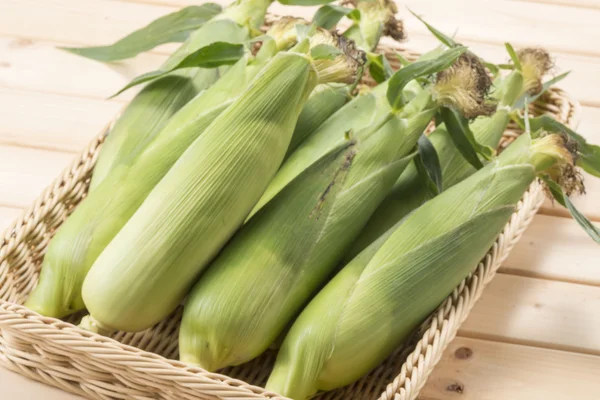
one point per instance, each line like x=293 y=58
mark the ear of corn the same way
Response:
x=146 y=115
x=381 y=296
x=203 y=198
x=411 y=190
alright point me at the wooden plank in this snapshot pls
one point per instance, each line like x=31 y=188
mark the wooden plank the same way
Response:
x=555 y=248
x=556 y=27
x=40 y=66
x=107 y=20
x=538 y=312
x=7 y=216
x=25 y=172
x=480 y=370
x=124 y=17
x=50 y=121
x=98 y=22
x=15 y=386
x=567 y=3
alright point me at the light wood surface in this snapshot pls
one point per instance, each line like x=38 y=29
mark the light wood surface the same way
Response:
x=535 y=334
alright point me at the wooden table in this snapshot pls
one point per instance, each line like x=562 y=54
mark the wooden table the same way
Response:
x=535 y=334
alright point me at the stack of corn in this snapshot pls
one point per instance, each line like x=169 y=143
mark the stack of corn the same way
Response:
x=107 y=208
x=206 y=195
x=292 y=243
x=371 y=306
x=148 y=139
x=247 y=186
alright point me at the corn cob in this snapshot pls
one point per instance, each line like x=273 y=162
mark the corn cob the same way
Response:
x=411 y=190
x=100 y=216
x=289 y=247
x=206 y=195
x=377 y=300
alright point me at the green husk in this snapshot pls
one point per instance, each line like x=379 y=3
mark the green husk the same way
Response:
x=147 y=114
x=204 y=197
x=292 y=244
x=412 y=190
x=371 y=306
x=324 y=101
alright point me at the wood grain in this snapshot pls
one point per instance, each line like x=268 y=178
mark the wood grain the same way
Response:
x=555 y=248
x=538 y=312
x=51 y=121
x=481 y=370
x=25 y=172
x=40 y=66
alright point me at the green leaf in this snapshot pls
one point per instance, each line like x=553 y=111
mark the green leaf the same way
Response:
x=526 y=99
x=560 y=196
x=418 y=69
x=445 y=39
x=462 y=137
x=589 y=154
x=211 y=56
x=379 y=67
x=329 y=15
x=513 y=56
x=324 y=52
x=218 y=42
x=403 y=60
x=174 y=27
x=305 y=2
x=354 y=15
x=429 y=157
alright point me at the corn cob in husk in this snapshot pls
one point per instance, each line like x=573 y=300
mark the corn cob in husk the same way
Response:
x=370 y=307
x=410 y=191
x=291 y=245
x=101 y=215
x=207 y=194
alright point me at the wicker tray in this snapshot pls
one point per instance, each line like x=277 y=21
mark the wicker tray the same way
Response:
x=143 y=365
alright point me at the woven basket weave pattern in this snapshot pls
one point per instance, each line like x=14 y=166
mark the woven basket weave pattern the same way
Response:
x=142 y=365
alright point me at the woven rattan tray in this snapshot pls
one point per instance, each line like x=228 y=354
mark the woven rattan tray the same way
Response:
x=143 y=365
